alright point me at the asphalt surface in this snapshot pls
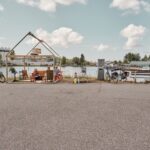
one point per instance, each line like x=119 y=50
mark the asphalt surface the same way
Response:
x=75 y=117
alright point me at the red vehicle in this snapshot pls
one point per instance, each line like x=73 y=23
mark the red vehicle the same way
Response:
x=58 y=77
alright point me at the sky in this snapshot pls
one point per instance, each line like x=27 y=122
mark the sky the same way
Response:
x=97 y=28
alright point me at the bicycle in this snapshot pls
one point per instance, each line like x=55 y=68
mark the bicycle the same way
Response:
x=2 y=78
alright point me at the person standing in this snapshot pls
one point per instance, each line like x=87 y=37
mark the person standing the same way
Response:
x=49 y=74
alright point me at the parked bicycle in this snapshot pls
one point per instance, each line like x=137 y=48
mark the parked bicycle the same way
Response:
x=2 y=78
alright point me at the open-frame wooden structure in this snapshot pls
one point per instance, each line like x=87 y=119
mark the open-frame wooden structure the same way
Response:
x=52 y=53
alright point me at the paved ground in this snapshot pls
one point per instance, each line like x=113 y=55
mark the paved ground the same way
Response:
x=74 y=117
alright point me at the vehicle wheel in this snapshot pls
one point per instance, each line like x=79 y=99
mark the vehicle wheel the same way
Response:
x=2 y=79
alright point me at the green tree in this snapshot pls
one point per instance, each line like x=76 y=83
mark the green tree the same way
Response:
x=145 y=58
x=125 y=61
x=119 y=62
x=76 y=60
x=132 y=57
x=87 y=63
x=68 y=61
x=82 y=60
x=115 y=62
x=63 y=60
x=14 y=72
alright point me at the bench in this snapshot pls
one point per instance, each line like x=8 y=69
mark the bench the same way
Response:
x=41 y=73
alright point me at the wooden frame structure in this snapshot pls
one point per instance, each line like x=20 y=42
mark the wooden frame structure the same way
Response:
x=53 y=53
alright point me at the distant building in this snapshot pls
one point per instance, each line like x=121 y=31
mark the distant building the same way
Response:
x=3 y=52
x=140 y=63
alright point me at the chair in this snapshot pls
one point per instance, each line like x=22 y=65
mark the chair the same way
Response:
x=24 y=74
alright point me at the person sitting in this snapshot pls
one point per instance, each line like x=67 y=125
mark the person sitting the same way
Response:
x=57 y=74
x=35 y=75
x=76 y=78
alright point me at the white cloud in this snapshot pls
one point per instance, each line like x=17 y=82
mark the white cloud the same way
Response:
x=102 y=47
x=146 y=6
x=131 y=5
x=49 y=5
x=63 y=37
x=133 y=34
x=1 y=8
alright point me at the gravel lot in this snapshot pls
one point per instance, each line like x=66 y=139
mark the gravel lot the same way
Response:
x=97 y=116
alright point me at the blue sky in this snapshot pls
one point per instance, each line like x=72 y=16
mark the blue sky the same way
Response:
x=98 y=28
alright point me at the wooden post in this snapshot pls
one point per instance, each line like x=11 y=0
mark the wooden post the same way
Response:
x=6 y=69
x=60 y=64
x=24 y=64
x=53 y=68
x=135 y=76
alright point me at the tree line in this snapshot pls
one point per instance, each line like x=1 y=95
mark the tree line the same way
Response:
x=80 y=61
x=132 y=57
x=76 y=61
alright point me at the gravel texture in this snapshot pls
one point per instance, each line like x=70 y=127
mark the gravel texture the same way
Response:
x=97 y=116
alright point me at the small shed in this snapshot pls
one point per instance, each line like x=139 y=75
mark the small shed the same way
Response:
x=33 y=54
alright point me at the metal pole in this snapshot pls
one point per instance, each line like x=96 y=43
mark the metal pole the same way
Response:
x=52 y=49
x=18 y=43
x=33 y=47
x=53 y=68
x=48 y=49
x=149 y=72
x=6 y=69
x=31 y=34
x=60 y=63
x=135 y=76
x=45 y=45
x=24 y=64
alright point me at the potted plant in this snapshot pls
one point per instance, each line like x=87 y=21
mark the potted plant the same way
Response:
x=14 y=72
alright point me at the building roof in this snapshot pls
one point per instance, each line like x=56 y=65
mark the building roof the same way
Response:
x=2 y=49
x=140 y=63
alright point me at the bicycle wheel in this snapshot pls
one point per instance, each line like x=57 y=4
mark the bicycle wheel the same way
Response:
x=2 y=79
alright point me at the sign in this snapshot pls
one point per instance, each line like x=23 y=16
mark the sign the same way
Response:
x=36 y=51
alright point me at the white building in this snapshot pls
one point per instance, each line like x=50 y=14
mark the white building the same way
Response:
x=3 y=52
